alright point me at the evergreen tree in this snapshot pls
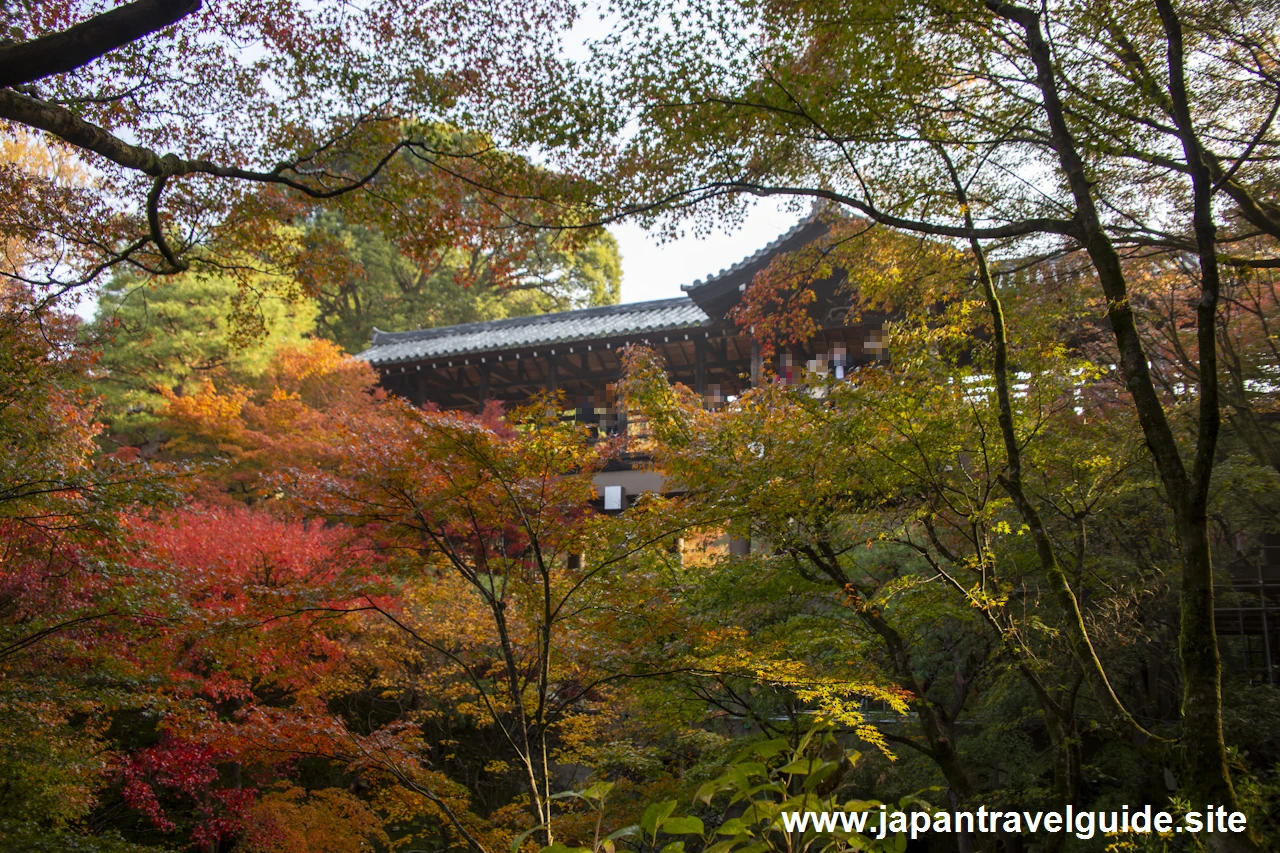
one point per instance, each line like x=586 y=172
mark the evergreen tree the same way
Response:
x=173 y=338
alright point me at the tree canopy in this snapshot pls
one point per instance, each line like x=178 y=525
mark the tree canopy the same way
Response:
x=1116 y=131
x=249 y=600
x=366 y=282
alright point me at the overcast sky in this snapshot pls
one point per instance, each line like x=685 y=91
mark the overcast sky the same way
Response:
x=653 y=270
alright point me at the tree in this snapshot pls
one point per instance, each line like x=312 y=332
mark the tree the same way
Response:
x=328 y=821
x=886 y=493
x=510 y=577
x=160 y=342
x=255 y=614
x=71 y=611
x=1007 y=128
x=197 y=140
x=28 y=162
x=292 y=414
x=366 y=282
x=486 y=660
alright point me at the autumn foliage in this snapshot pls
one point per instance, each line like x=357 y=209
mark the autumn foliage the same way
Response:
x=1019 y=554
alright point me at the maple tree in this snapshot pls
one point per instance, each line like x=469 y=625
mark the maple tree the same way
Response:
x=254 y=621
x=131 y=630
x=208 y=128
x=283 y=417
x=510 y=573
x=326 y=821
x=889 y=489
x=370 y=623
x=490 y=622
x=73 y=610
x=1112 y=131
x=26 y=158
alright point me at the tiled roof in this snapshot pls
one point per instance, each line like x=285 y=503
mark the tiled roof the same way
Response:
x=587 y=324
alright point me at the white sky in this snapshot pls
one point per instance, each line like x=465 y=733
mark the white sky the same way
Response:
x=654 y=270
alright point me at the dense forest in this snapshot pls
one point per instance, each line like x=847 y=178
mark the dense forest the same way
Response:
x=251 y=601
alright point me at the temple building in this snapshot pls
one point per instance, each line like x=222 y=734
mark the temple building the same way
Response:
x=577 y=353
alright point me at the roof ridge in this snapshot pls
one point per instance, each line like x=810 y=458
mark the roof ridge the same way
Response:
x=380 y=337
x=603 y=323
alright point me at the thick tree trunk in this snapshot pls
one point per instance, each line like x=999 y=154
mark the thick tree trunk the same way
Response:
x=1207 y=778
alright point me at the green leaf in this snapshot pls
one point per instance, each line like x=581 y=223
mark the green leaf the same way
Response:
x=817 y=777
x=598 y=791
x=747 y=769
x=764 y=749
x=520 y=839
x=820 y=730
x=708 y=790
x=761 y=810
x=771 y=787
x=769 y=748
x=683 y=826
x=653 y=816
x=861 y=805
x=733 y=826
x=625 y=832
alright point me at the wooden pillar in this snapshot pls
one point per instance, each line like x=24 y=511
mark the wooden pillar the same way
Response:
x=551 y=375
x=621 y=405
x=484 y=388
x=757 y=365
x=700 y=368
x=419 y=396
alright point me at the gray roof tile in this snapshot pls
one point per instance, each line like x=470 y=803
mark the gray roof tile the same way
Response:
x=588 y=324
